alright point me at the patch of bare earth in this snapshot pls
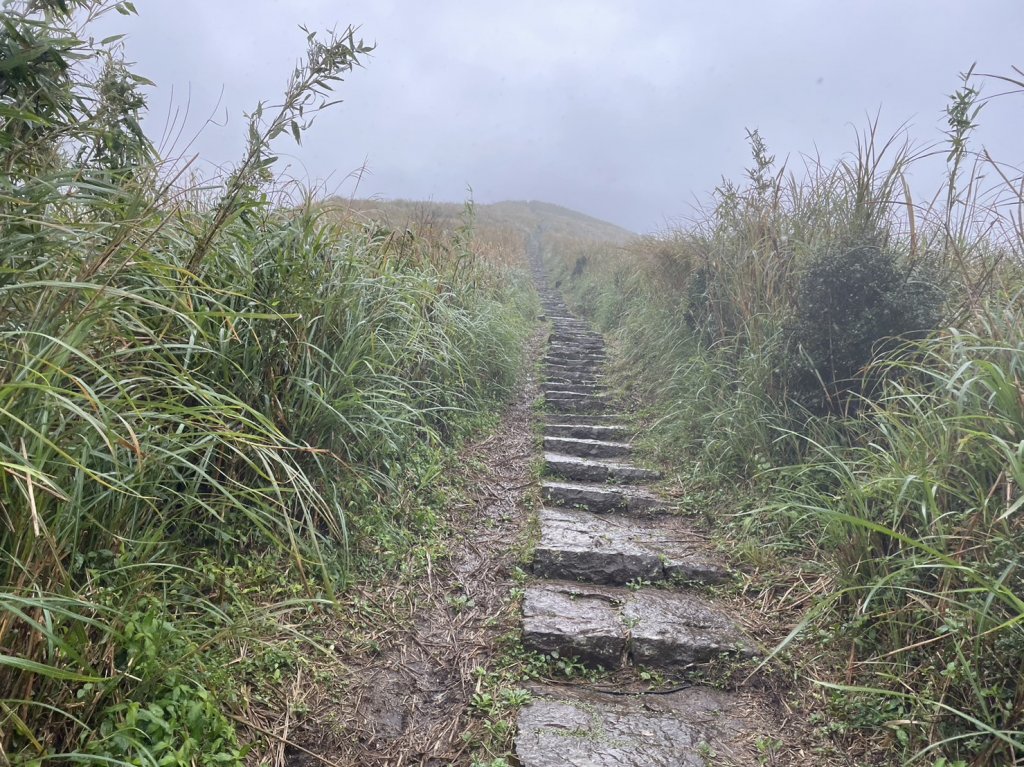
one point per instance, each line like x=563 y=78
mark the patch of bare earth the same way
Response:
x=408 y=651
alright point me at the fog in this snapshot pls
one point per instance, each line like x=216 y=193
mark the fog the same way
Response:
x=630 y=112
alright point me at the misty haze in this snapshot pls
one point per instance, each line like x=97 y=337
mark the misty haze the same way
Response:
x=487 y=384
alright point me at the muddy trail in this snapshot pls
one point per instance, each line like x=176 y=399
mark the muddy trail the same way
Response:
x=621 y=584
x=401 y=688
x=586 y=568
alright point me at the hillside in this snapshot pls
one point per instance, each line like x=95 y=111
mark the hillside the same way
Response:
x=510 y=218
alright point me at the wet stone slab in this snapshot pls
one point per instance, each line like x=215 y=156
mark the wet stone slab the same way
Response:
x=600 y=498
x=608 y=626
x=569 y=395
x=573 y=351
x=587 y=448
x=562 y=339
x=602 y=432
x=582 y=371
x=570 y=340
x=594 y=470
x=556 y=366
x=575 y=405
x=570 y=353
x=567 y=386
x=588 y=383
x=676 y=630
x=576 y=359
x=589 y=729
x=578 y=382
x=579 y=546
x=584 y=419
x=574 y=621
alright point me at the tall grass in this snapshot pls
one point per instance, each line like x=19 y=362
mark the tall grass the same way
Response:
x=190 y=384
x=856 y=357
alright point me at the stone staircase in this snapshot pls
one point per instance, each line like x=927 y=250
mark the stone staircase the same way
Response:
x=613 y=583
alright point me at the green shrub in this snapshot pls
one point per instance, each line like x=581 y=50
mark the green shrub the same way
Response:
x=851 y=304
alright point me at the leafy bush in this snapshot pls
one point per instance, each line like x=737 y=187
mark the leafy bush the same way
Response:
x=851 y=303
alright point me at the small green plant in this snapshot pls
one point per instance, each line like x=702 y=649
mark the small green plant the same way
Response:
x=483 y=703
x=768 y=749
x=516 y=698
x=635 y=584
x=652 y=677
x=460 y=602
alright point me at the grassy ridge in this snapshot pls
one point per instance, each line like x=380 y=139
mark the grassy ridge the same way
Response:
x=213 y=410
x=857 y=358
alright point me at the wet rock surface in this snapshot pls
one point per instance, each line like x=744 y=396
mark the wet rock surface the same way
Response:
x=587 y=448
x=597 y=730
x=604 y=432
x=594 y=470
x=676 y=630
x=599 y=498
x=609 y=626
x=581 y=622
x=615 y=571
x=614 y=550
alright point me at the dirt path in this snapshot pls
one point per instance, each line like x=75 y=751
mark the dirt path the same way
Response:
x=414 y=648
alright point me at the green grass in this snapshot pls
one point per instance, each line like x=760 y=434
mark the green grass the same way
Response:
x=853 y=361
x=214 y=411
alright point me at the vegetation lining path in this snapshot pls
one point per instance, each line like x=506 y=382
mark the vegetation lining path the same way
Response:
x=618 y=588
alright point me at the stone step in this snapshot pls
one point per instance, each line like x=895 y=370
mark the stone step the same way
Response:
x=577 y=469
x=584 y=397
x=614 y=550
x=601 y=498
x=555 y=349
x=576 y=343
x=563 y=317
x=585 y=419
x=585 y=373
x=555 y=357
x=564 y=727
x=575 y=405
x=589 y=335
x=573 y=387
x=574 y=359
x=588 y=431
x=558 y=384
x=572 y=367
x=615 y=627
x=593 y=376
x=587 y=448
x=579 y=340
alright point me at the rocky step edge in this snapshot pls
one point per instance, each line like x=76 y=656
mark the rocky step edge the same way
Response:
x=617 y=550
x=563 y=727
x=611 y=627
x=600 y=498
x=578 y=469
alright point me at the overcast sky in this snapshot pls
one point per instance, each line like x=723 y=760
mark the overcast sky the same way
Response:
x=628 y=110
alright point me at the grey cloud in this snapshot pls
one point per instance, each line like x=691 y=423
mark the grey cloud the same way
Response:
x=627 y=111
